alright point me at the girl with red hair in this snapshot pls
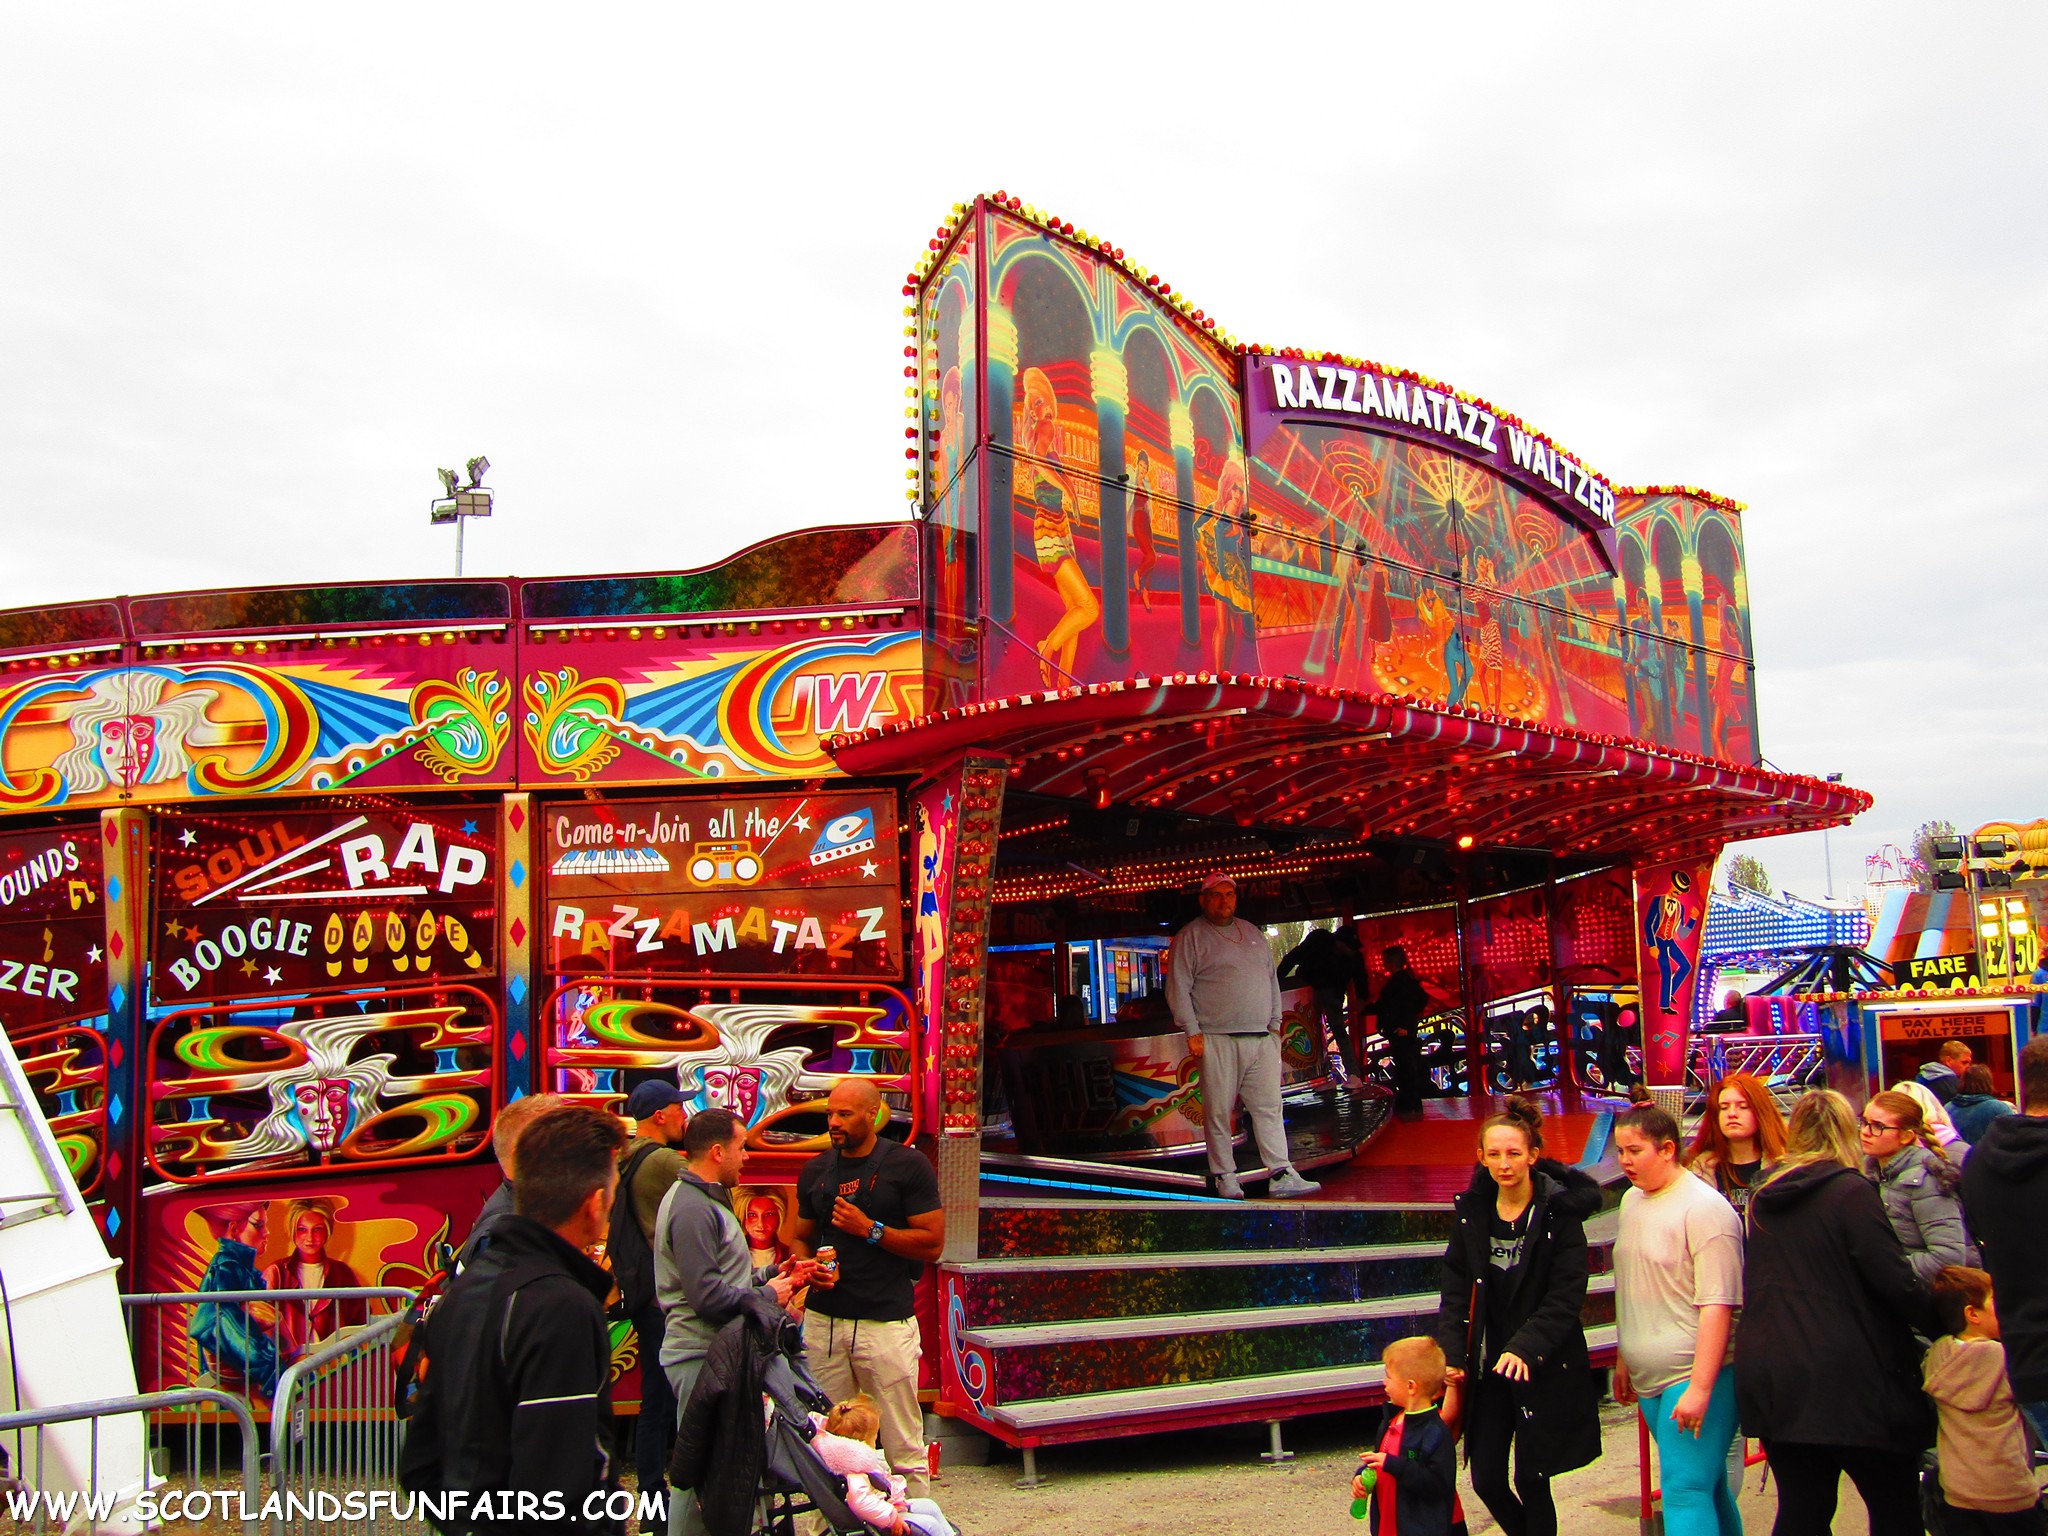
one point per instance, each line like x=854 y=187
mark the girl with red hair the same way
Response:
x=1740 y=1139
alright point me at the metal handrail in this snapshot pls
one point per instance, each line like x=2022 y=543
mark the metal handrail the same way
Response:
x=314 y=1293
x=149 y=1402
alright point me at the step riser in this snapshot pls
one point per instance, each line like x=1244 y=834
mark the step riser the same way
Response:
x=1060 y=1370
x=1062 y=1296
x=1186 y=1228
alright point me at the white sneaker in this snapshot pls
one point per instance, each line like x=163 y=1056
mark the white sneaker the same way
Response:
x=1287 y=1183
x=1227 y=1188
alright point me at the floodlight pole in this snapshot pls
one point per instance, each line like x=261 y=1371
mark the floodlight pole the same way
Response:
x=1826 y=852
x=462 y=502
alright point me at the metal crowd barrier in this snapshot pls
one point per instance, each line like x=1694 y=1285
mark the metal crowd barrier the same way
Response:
x=1788 y=1063
x=332 y=1432
x=118 y=1486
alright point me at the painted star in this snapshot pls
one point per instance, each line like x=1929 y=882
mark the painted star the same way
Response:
x=273 y=975
x=868 y=868
x=187 y=837
x=248 y=967
x=469 y=829
x=171 y=929
x=803 y=823
x=92 y=956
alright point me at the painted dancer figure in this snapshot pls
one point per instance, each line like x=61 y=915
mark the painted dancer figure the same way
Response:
x=1052 y=529
x=1141 y=529
x=1492 y=652
x=1225 y=537
x=1671 y=920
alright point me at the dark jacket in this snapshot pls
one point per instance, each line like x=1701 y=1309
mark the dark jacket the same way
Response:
x=721 y=1440
x=2005 y=1195
x=1421 y=1474
x=1972 y=1113
x=518 y=1392
x=495 y=1210
x=1321 y=962
x=1401 y=1003
x=1825 y=1353
x=1939 y=1080
x=1560 y=1402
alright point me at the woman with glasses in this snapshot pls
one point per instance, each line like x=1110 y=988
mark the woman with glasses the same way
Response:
x=1827 y=1371
x=1920 y=1187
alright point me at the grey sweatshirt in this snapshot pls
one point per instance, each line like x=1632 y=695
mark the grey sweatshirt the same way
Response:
x=703 y=1271
x=1220 y=981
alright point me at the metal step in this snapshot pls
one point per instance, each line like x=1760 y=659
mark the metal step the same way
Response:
x=1293 y=1391
x=1083 y=1330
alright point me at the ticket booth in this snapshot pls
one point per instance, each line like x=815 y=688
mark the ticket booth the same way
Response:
x=1900 y=1037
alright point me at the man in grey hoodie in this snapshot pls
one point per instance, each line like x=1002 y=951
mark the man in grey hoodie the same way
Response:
x=703 y=1272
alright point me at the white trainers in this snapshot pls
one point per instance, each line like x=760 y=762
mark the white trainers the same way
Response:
x=1227 y=1188
x=1287 y=1183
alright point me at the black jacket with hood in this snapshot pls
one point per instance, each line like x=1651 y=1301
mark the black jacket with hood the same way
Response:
x=1559 y=1405
x=2005 y=1201
x=721 y=1445
x=518 y=1385
x=1825 y=1353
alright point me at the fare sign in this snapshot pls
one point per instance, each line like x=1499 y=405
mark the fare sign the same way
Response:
x=274 y=903
x=732 y=885
x=53 y=929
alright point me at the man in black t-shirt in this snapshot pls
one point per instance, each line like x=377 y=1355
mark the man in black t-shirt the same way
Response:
x=877 y=1203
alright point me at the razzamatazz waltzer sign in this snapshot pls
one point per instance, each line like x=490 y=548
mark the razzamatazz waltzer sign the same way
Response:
x=269 y=903
x=729 y=885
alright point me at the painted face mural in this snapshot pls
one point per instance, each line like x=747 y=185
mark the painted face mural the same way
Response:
x=127 y=733
x=737 y=1089
x=324 y=1111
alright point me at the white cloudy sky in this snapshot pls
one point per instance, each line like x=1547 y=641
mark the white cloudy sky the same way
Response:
x=263 y=268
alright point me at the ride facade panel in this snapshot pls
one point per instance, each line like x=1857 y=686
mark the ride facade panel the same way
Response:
x=301 y=886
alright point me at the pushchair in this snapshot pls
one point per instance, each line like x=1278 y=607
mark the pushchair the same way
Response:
x=793 y=1480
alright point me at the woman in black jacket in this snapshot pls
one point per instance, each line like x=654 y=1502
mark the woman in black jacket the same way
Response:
x=1509 y=1321
x=1827 y=1371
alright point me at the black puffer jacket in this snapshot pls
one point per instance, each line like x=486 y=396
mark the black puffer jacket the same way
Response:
x=721 y=1440
x=1559 y=1405
x=1825 y=1353
x=2005 y=1192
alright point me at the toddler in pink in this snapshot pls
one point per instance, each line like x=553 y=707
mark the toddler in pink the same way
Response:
x=845 y=1442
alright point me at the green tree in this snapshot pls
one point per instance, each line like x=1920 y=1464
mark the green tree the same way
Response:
x=1923 y=851
x=1746 y=872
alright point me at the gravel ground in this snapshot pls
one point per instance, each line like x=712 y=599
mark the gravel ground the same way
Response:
x=1211 y=1483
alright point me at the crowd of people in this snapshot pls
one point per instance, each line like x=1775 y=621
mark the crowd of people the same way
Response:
x=1841 y=1287
x=518 y=1351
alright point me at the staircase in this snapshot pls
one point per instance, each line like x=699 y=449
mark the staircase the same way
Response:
x=1084 y=1320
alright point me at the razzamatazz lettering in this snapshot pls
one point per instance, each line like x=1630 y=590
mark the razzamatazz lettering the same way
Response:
x=37 y=872
x=1363 y=392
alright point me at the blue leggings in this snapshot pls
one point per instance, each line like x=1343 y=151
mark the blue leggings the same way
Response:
x=1694 y=1470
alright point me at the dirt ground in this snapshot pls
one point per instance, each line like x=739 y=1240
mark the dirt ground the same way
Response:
x=1212 y=1483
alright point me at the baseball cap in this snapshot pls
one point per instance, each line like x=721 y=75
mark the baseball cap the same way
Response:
x=1211 y=882
x=651 y=1098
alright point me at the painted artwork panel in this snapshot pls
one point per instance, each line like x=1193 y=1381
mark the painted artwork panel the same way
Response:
x=269 y=903
x=1117 y=484
x=1671 y=919
x=363 y=1231
x=770 y=885
x=352 y=715
x=305 y=1086
x=767 y=1053
x=53 y=928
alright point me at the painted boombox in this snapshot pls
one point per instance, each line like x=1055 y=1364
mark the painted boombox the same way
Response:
x=724 y=864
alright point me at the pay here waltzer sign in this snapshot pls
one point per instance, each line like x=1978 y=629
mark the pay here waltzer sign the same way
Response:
x=728 y=885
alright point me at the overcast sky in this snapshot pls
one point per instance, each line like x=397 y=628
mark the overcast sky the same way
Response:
x=262 y=269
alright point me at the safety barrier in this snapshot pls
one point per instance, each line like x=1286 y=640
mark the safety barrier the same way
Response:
x=1790 y=1063
x=333 y=1433
x=49 y=1481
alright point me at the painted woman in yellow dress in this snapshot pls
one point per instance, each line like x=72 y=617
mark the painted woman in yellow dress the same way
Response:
x=1052 y=529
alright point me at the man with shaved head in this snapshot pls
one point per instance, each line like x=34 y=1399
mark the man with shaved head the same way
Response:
x=876 y=1202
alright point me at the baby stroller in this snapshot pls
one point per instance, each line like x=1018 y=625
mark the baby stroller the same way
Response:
x=792 y=1479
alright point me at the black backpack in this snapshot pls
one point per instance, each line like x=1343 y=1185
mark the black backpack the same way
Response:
x=632 y=1261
